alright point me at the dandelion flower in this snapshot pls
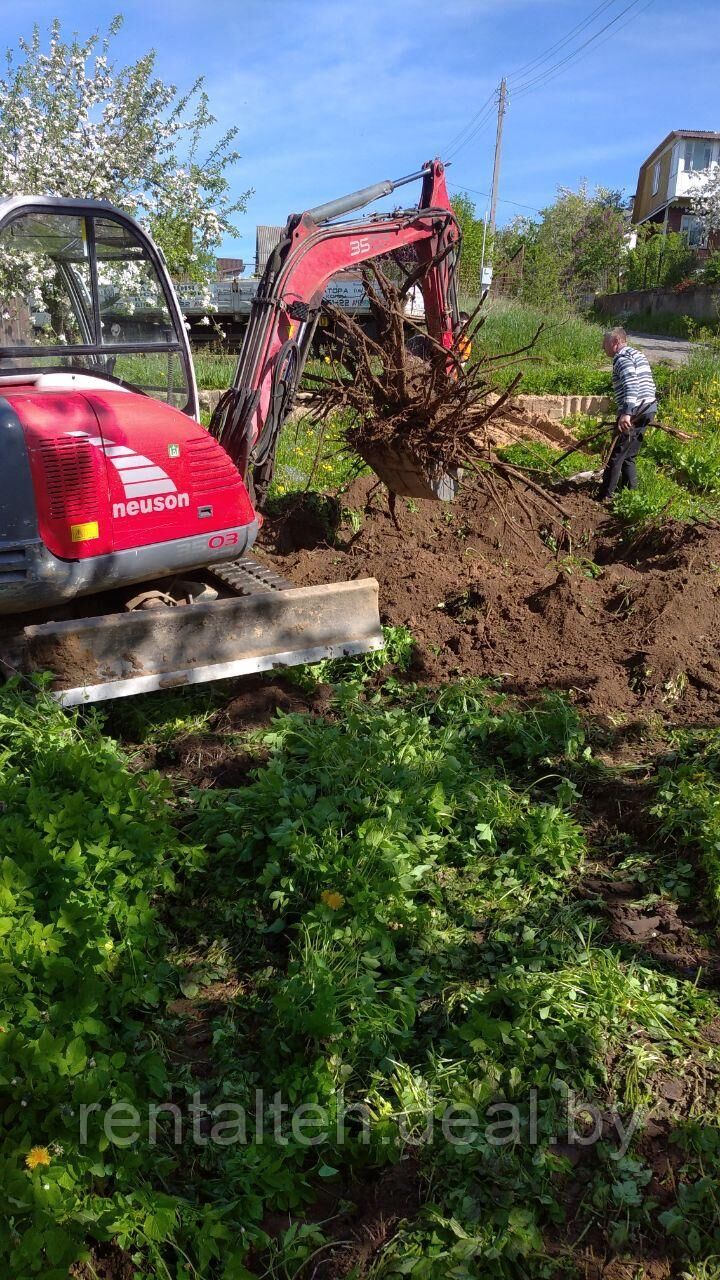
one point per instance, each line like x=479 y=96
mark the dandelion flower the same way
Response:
x=332 y=899
x=37 y=1156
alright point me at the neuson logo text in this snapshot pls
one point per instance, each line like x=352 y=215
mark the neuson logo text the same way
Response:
x=143 y=506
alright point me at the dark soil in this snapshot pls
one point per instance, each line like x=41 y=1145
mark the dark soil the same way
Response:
x=667 y=934
x=622 y=626
x=215 y=758
x=107 y=1262
x=376 y=1209
x=208 y=760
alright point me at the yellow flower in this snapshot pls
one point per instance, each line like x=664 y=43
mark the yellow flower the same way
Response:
x=37 y=1156
x=332 y=899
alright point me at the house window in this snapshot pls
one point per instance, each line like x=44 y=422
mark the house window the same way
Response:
x=697 y=155
x=694 y=231
x=655 y=178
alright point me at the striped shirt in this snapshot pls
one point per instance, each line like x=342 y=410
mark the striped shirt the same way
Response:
x=633 y=382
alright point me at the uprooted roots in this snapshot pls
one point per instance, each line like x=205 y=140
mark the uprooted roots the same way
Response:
x=412 y=395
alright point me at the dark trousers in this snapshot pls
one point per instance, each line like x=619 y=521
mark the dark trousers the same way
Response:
x=620 y=470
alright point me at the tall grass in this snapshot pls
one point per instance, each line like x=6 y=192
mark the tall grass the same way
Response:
x=213 y=369
x=565 y=338
x=567 y=358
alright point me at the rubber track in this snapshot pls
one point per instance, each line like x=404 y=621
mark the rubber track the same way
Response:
x=247 y=577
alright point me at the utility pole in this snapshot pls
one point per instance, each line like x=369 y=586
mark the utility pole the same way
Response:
x=502 y=104
x=482 y=257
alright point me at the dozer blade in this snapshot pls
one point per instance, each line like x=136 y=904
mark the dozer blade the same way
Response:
x=95 y=659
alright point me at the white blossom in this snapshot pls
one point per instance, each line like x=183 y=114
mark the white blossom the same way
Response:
x=705 y=197
x=74 y=124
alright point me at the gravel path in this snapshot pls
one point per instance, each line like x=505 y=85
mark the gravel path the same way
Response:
x=656 y=348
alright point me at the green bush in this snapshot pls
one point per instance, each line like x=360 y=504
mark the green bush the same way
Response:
x=657 y=259
x=688 y=806
x=85 y=847
x=710 y=270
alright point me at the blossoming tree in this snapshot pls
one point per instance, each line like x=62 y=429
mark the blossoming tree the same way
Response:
x=706 y=197
x=72 y=123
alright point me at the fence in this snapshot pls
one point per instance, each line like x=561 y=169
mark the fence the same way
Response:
x=701 y=302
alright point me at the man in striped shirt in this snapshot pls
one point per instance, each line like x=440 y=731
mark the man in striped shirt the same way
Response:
x=636 y=400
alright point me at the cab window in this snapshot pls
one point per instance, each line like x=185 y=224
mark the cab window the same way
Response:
x=45 y=284
x=132 y=303
x=82 y=292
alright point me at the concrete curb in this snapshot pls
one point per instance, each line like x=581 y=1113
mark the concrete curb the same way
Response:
x=208 y=400
x=558 y=407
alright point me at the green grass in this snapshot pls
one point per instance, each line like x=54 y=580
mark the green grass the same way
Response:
x=566 y=338
x=390 y=911
x=567 y=358
x=678 y=479
x=308 y=459
x=214 y=370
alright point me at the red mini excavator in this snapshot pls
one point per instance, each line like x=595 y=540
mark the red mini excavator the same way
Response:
x=108 y=481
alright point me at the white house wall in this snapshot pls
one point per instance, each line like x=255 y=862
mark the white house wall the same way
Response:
x=682 y=181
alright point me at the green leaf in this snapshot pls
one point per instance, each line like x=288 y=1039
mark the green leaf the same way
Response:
x=76 y=1056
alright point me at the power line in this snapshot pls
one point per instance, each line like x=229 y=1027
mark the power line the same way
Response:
x=452 y=142
x=559 y=44
x=633 y=17
x=483 y=116
x=461 y=186
x=479 y=128
x=550 y=72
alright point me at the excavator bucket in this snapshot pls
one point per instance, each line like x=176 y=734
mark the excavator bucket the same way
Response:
x=114 y=656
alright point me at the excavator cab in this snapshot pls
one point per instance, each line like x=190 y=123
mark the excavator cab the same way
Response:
x=85 y=293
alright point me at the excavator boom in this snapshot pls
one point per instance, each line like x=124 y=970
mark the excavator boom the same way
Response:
x=284 y=314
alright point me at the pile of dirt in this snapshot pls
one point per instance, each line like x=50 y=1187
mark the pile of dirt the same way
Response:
x=514 y=422
x=622 y=626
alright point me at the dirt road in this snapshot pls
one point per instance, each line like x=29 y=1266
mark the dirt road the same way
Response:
x=656 y=348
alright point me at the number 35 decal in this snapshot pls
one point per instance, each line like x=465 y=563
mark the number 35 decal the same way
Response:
x=359 y=246
x=223 y=540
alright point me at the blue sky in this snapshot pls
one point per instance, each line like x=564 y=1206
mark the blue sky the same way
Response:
x=330 y=95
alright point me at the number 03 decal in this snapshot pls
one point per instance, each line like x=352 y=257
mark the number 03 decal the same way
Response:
x=359 y=246
x=223 y=540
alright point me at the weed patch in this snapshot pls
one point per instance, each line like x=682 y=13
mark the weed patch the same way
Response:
x=385 y=928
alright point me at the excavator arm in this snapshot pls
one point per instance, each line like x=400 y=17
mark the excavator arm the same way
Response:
x=284 y=314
